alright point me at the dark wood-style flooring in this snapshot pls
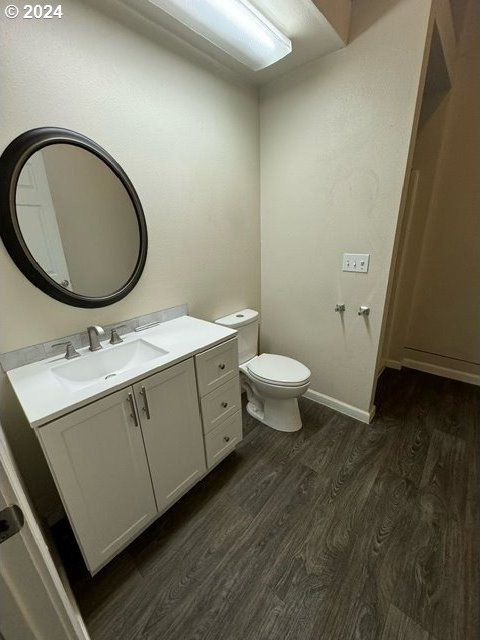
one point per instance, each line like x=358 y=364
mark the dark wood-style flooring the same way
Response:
x=340 y=531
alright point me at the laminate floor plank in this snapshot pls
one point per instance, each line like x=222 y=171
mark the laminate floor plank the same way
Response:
x=375 y=563
x=258 y=483
x=327 y=454
x=314 y=564
x=117 y=603
x=340 y=531
x=346 y=594
x=262 y=619
x=334 y=516
x=398 y=626
x=207 y=612
x=435 y=566
x=409 y=449
x=471 y=588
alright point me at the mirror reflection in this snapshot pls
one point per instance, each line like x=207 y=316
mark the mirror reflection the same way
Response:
x=77 y=220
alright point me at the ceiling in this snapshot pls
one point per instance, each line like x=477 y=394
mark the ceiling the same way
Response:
x=311 y=34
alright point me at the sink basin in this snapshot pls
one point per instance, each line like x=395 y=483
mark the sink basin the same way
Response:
x=106 y=364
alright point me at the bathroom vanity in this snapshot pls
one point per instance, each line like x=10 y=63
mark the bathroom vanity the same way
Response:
x=128 y=429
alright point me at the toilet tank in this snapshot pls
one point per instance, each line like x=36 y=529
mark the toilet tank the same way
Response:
x=246 y=323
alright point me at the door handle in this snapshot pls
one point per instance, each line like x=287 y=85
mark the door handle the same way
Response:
x=134 y=410
x=146 y=407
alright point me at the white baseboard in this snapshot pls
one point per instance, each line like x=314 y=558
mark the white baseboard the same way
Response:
x=342 y=407
x=445 y=372
x=393 y=364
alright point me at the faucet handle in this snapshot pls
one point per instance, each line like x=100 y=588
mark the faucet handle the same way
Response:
x=71 y=351
x=114 y=337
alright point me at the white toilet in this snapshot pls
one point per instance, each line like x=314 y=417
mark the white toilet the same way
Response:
x=273 y=383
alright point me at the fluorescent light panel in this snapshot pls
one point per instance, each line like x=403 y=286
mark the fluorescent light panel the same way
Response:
x=234 y=26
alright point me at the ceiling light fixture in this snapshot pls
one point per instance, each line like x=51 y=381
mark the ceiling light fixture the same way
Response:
x=234 y=26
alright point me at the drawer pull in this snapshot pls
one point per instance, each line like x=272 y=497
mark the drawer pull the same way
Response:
x=221 y=366
x=226 y=438
x=224 y=405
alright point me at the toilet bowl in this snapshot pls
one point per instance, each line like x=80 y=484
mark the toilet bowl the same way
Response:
x=273 y=383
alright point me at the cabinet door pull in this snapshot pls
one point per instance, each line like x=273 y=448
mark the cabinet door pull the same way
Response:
x=146 y=408
x=221 y=366
x=226 y=438
x=134 y=410
x=224 y=405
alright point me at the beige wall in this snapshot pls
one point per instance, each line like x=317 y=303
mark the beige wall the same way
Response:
x=438 y=311
x=335 y=139
x=96 y=219
x=188 y=140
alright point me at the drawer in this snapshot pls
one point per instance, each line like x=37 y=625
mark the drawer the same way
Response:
x=223 y=439
x=220 y=404
x=216 y=366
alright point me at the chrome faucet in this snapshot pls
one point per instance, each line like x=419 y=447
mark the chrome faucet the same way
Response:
x=95 y=332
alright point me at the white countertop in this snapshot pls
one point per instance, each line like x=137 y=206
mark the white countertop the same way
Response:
x=43 y=397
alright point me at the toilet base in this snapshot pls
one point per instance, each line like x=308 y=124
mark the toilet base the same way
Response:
x=279 y=414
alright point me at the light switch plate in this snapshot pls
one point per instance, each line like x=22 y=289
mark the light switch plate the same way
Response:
x=357 y=262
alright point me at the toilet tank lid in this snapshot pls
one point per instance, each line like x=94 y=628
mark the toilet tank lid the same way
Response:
x=239 y=318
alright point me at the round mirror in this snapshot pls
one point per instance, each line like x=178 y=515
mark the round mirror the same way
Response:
x=74 y=223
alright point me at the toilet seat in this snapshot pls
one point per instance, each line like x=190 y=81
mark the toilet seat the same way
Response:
x=278 y=370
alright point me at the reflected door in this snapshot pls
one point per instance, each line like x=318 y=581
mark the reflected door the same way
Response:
x=38 y=221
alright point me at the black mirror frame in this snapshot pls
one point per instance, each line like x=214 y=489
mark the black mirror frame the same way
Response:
x=12 y=161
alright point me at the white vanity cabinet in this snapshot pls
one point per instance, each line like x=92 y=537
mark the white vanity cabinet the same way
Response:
x=120 y=461
x=98 y=460
x=128 y=429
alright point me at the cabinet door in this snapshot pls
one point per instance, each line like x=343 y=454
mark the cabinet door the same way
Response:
x=172 y=430
x=97 y=457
